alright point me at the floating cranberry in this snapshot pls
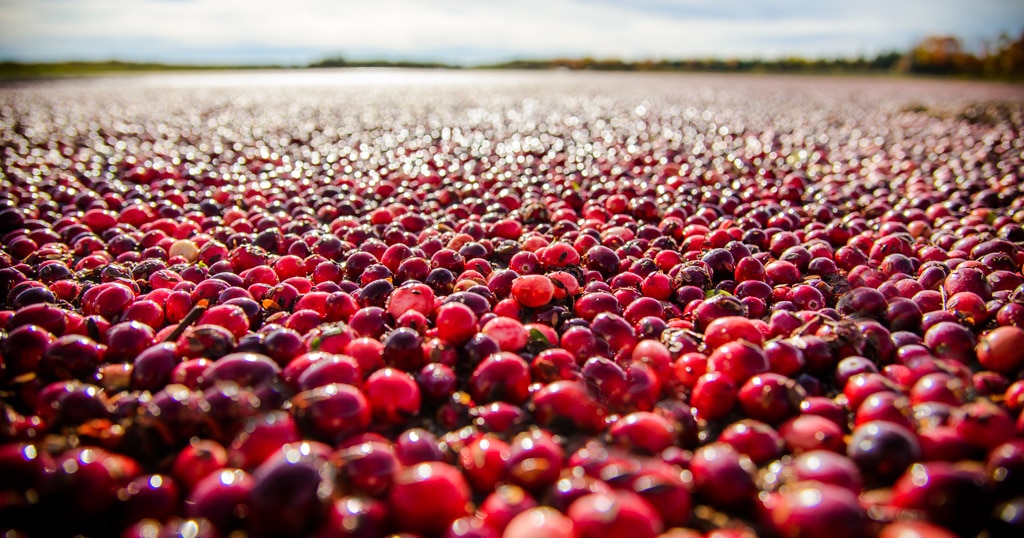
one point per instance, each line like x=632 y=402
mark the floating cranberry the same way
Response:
x=815 y=509
x=883 y=450
x=618 y=513
x=723 y=477
x=1002 y=349
x=393 y=396
x=73 y=357
x=535 y=460
x=222 y=498
x=540 y=521
x=442 y=484
x=331 y=412
x=366 y=468
x=754 y=439
x=945 y=495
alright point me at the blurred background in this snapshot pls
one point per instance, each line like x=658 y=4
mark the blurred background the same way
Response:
x=981 y=38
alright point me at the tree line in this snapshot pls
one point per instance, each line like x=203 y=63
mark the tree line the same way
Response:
x=935 y=55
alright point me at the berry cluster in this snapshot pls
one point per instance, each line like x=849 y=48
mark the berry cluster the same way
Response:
x=537 y=312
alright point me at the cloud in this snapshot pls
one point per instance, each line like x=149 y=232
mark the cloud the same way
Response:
x=482 y=30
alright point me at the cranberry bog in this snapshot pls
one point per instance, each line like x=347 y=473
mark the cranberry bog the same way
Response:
x=511 y=304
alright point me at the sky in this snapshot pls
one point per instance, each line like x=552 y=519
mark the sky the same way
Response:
x=469 y=32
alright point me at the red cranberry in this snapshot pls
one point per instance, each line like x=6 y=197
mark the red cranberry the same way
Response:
x=618 y=513
x=72 y=357
x=815 y=509
x=723 y=477
x=828 y=468
x=714 y=395
x=770 y=397
x=812 y=432
x=757 y=440
x=946 y=495
x=439 y=482
x=983 y=424
x=914 y=529
x=503 y=504
x=1000 y=350
x=643 y=431
x=950 y=340
x=535 y=460
x=355 y=516
x=415 y=446
x=222 y=498
x=567 y=405
x=541 y=521
x=201 y=458
x=367 y=468
x=332 y=412
x=502 y=376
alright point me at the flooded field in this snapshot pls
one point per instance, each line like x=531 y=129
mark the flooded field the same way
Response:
x=511 y=304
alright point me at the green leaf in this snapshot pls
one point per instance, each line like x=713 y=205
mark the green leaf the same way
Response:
x=711 y=293
x=537 y=336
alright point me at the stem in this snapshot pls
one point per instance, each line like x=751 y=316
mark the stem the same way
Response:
x=189 y=319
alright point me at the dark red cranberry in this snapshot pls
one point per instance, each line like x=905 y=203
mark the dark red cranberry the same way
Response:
x=331 y=412
x=222 y=498
x=723 y=477
x=367 y=468
x=770 y=397
x=946 y=495
x=883 y=450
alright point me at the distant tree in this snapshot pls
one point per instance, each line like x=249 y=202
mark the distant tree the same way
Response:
x=1008 y=60
x=943 y=55
x=934 y=55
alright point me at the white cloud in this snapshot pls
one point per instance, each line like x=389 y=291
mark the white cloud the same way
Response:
x=479 y=30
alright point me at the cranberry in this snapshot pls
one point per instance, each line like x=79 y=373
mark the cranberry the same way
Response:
x=417 y=446
x=442 y=484
x=504 y=504
x=535 y=460
x=201 y=458
x=914 y=529
x=982 y=424
x=812 y=432
x=945 y=495
x=367 y=468
x=950 y=340
x=567 y=405
x=222 y=498
x=456 y=322
x=815 y=509
x=503 y=376
x=72 y=357
x=643 y=431
x=617 y=513
x=883 y=450
x=1000 y=349
x=770 y=397
x=828 y=468
x=393 y=395
x=756 y=440
x=723 y=477
x=714 y=395
x=332 y=412
x=355 y=516
x=540 y=521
